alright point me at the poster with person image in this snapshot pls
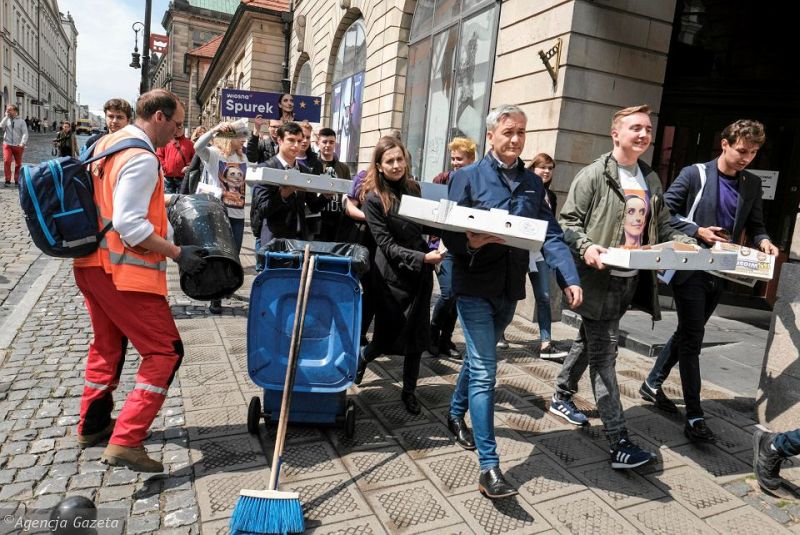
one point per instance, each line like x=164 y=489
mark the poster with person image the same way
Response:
x=636 y=211
x=231 y=176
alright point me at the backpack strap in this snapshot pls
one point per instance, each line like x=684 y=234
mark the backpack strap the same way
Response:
x=702 y=169
x=130 y=143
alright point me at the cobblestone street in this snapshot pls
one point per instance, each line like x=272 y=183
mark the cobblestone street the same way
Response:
x=399 y=474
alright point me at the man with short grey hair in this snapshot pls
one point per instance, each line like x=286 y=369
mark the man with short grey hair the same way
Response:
x=489 y=279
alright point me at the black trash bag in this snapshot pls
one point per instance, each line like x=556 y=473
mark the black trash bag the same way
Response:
x=200 y=219
x=358 y=254
x=74 y=515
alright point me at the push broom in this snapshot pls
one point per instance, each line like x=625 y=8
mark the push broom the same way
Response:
x=271 y=510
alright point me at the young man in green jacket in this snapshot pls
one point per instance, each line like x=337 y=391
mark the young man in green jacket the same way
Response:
x=615 y=201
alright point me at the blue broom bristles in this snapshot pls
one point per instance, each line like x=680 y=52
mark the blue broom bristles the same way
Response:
x=267 y=515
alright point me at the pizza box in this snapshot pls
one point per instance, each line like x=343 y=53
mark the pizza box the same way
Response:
x=750 y=263
x=669 y=255
x=520 y=232
x=433 y=192
x=294 y=178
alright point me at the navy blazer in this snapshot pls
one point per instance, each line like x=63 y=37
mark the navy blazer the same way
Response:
x=681 y=195
x=497 y=270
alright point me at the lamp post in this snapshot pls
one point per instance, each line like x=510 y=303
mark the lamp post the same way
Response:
x=135 y=56
x=144 y=87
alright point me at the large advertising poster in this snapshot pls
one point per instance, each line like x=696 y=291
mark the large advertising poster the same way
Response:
x=251 y=104
x=346 y=105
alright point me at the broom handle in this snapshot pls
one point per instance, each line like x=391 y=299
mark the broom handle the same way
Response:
x=283 y=419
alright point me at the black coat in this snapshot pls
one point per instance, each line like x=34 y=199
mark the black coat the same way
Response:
x=279 y=217
x=402 y=282
x=260 y=150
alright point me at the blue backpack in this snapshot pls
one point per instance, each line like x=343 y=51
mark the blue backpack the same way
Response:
x=57 y=198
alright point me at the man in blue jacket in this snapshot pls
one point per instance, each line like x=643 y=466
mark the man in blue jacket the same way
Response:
x=489 y=279
x=729 y=204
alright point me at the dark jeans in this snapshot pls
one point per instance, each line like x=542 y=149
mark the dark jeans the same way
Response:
x=596 y=346
x=788 y=443
x=410 y=366
x=172 y=184
x=444 y=316
x=237 y=226
x=540 y=280
x=695 y=301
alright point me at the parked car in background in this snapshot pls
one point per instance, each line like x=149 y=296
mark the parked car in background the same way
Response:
x=83 y=127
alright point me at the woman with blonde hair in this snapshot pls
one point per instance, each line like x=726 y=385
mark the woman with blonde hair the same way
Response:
x=402 y=278
x=224 y=165
x=192 y=175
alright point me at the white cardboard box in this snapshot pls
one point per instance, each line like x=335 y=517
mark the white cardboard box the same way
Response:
x=520 y=232
x=669 y=255
x=750 y=263
x=292 y=177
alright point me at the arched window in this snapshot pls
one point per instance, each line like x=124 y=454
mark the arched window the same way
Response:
x=304 y=80
x=450 y=60
x=347 y=93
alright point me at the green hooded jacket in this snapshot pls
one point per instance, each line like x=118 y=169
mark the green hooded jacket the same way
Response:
x=594 y=214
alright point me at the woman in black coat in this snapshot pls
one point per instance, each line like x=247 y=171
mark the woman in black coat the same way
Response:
x=402 y=278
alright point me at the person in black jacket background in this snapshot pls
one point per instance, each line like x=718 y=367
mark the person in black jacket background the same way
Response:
x=261 y=149
x=402 y=277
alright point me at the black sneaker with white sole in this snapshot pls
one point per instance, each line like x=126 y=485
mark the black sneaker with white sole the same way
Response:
x=625 y=455
x=699 y=431
x=657 y=397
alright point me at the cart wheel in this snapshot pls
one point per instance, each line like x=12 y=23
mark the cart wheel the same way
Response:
x=253 y=415
x=350 y=419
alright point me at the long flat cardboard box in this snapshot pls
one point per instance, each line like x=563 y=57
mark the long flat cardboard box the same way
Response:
x=294 y=178
x=516 y=231
x=669 y=255
x=750 y=263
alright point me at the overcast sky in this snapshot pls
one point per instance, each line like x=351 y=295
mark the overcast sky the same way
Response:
x=105 y=44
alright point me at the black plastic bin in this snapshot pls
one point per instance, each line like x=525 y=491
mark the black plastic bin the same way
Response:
x=358 y=254
x=201 y=220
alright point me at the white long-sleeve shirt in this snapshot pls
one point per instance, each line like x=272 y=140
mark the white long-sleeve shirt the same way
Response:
x=211 y=157
x=135 y=186
x=15 y=131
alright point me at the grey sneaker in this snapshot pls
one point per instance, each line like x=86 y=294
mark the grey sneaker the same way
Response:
x=767 y=465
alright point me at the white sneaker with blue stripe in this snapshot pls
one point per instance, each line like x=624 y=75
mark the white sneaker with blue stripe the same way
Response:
x=566 y=409
x=625 y=454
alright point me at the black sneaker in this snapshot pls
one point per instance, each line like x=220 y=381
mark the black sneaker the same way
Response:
x=767 y=462
x=699 y=432
x=625 y=455
x=657 y=397
x=215 y=306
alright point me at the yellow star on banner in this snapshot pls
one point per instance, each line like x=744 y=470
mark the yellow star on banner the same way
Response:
x=303 y=104
x=316 y=102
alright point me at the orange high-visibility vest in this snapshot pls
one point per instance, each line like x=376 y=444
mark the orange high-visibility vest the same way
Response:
x=132 y=269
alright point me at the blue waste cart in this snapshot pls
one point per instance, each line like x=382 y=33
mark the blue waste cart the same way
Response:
x=329 y=349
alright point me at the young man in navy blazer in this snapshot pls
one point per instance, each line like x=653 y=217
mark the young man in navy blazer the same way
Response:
x=730 y=203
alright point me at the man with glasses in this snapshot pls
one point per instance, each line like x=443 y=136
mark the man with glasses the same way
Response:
x=260 y=147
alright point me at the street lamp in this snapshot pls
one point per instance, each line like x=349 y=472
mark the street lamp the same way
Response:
x=135 y=55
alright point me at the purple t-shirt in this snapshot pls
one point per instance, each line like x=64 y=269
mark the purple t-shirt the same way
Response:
x=728 y=201
x=355 y=188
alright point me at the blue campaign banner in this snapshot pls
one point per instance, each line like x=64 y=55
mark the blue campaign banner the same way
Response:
x=242 y=103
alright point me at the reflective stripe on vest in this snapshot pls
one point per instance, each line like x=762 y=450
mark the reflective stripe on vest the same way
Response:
x=151 y=388
x=123 y=258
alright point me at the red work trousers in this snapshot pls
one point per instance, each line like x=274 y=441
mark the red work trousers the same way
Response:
x=144 y=319
x=12 y=152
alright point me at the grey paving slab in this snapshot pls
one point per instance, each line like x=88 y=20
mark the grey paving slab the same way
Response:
x=582 y=513
x=539 y=479
x=201 y=338
x=198 y=375
x=217 y=494
x=532 y=420
x=361 y=526
x=659 y=430
x=205 y=354
x=730 y=438
x=309 y=460
x=226 y=454
x=329 y=500
x=453 y=473
x=497 y=517
x=412 y=508
x=296 y=433
x=512 y=445
x=714 y=462
x=618 y=488
x=369 y=434
x=745 y=521
x=202 y=398
x=665 y=517
x=570 y=449
x=212 y=422
x=698 y=494
x=376 y=469
x=394 y=415
x=426 y=440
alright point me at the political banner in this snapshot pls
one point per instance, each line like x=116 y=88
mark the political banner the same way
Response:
x=242 y=103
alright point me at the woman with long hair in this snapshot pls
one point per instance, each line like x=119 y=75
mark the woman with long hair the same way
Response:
x=65 y=142
x=224 y=168
x=402 y=278
x=286 y=105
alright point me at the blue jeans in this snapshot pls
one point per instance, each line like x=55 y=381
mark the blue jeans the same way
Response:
x=259 y=262
x=788 y=443
x=482 y=322
x=237 y=226
x=443 y=319
x=540 y=280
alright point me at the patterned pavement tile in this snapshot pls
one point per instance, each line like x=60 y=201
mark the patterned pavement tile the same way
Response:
x=444 y=366
x=394 y=415
x=221 y=422
x=505 y=369
x=296 y=433
x=206 y=354
x=520 y=356
x=239 y=364
x=205 y=374
x=544 y=371
x=665 y=517
x=206 y=398
x=697 y=493
x=375 y=373
x=618 y=488
x=215 y=527
x=308 y=461
x=217 y=494
x=718 y=408
x=390 y=361
x=412 y=508
x=571 y=449
x=367 y=525
x=435 y=395
x=497 y=517
x=236 y=345
x=659 y=430
x=584 y=513
x=226 y=454
x=506 y=400
x=426 y=440
x=714 y=462
x=232 y=328
x=532 y=420
x=379 y=393
x=526 y=386
x=746 y=521
x=201 y=337
x=539 y=479
x=375 y=469
x=730 y=438
x=453 y=473
x=329 y=499
x=511 y=445
x=369 y=434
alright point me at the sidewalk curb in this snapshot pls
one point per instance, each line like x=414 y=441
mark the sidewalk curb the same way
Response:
x=8 y=329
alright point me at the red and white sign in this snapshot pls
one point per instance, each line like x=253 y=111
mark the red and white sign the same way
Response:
x=159 y=43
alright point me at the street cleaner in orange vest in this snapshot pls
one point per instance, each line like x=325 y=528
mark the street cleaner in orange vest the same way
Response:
x=124 y=284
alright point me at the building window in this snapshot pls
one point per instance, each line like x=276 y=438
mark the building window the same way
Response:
x=347 y=94
x=304 y=80
x=450 y=60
